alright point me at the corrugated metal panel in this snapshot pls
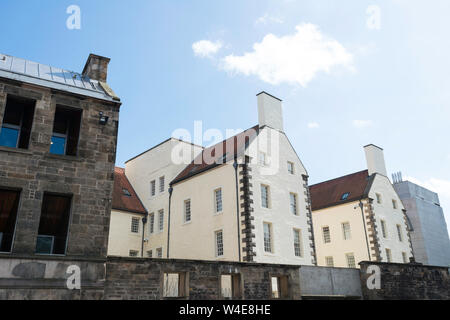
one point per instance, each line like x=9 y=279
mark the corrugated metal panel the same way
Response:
x=40 y=74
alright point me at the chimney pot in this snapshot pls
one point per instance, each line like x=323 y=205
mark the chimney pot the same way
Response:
x=96 y=67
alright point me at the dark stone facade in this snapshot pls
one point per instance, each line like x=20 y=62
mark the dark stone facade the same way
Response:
x=142 y=279
x=407 y=282
x=88 y=177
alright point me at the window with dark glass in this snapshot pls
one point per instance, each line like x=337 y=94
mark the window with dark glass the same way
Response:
x=17 y=122
x=66 y=131
x=9 y=203
x=345 y=196
x=54 y=225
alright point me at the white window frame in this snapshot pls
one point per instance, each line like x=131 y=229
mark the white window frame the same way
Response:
x=162 y=184
x=262 y=158
x=133 y=253
x=159 y=253
x=405 y=257
x=291 y=167
x=218 y=204
x=135 y=229
x=326 y=239
x=219 y=243
x=161 y=221
x=388 y=255
x=298 y=243
x=293 y=206
x=350 y=259
x=379 y=198
x=384 y=231
x=329 y=261
x=187 y=211
x=153 y=188
x=269 y=243
x=399 y=233
x=267 y=190
x=394 y=204
x=344 y=234
x=151 y=219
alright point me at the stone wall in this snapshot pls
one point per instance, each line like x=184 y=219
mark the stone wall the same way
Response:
x=142 y=279
x=87 y=178
x=407 y=282
x=45 y=278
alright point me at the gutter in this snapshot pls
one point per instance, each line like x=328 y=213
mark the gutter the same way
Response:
x=168 y=222
x=235 y=165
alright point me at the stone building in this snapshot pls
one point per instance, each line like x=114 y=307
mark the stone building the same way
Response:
x=429 y=234
x=57 y=152
x=360 y=217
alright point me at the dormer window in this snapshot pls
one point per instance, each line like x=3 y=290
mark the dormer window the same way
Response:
x=345 y=196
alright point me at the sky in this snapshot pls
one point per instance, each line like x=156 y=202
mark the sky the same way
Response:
x=350 y=73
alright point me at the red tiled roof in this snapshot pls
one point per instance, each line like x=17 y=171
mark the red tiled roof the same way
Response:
x=329 y=193
x=122 y=202
x=218 y=151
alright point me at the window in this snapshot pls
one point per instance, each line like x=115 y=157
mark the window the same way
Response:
x=345 y=196
x=126 y=192
x=280 y=287
x=66 y=131
x=159 y=253
x=187 y=211
x=262 y=159
x=329 y=261
x=219 y=243
x=162 y=184
x=326 y=234
x=153 y=188
x=9 y=204
x=405 y=257
x=399 y=233
x=17 y=122
x=161 y=220
x=388 y=255
x=290 y=167
x=293 y=197
x=175 y=285
x=379 y=200
x=268 y=238
x=265 y=196
x=218 y=200
x=150 y=254
x=230 y=286
x=298 y=248
x=394 y=204
x=346 y=231
x=134 y=253
x=350 y=260
x=152 y=223
x=53 y=225
x=135 y=225
x=383 y=228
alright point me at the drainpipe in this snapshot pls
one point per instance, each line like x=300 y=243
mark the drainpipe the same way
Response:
x=235 y=165
x=144 y=221
x=361 y=206
x=168 y=221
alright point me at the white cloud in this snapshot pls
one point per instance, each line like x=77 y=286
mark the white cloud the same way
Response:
x=206 y=48
x=362 y=123
x=293 y=59
x=313 y=125
x=265 y=19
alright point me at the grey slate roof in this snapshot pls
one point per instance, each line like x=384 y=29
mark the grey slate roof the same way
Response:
x=50 y=77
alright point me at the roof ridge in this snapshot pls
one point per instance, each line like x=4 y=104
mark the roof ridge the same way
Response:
x=347 y=175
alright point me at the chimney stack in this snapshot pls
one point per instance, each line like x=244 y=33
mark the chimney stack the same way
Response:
x=96 y=67
x=270 y=111
x=375 y=160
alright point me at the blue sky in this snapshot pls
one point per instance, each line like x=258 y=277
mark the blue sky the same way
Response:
x=385 y=83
